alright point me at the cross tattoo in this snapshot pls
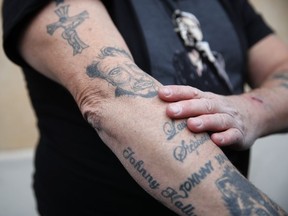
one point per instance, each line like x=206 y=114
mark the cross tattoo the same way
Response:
x=69 y=25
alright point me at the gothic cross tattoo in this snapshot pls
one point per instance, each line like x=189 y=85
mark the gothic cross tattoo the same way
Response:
x=69 y=25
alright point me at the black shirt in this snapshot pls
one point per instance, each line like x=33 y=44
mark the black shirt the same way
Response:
x=75 y=173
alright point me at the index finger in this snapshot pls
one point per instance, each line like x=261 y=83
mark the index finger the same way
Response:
x=173 y=93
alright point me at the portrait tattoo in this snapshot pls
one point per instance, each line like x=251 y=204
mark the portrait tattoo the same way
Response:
x=69 y=25
x=242 y=198
x=122 y=73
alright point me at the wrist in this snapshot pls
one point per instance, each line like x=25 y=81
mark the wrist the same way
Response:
x=261 y=111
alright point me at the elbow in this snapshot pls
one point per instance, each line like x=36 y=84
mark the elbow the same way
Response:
x=91 y=107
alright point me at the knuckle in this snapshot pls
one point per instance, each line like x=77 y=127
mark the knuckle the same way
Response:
x=224 y=121
x=208 y=105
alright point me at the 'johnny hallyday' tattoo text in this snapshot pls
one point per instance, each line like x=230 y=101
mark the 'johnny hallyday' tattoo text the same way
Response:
x=176 y=196
x=138 y=165
x=221 y=159
x=69 y=25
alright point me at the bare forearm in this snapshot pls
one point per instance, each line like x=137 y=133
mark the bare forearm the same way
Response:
x=270 y=104
x=184 y=171
x=268 y=66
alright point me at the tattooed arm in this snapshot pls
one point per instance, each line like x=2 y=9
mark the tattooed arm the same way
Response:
x=76 y=44
x=268 y=76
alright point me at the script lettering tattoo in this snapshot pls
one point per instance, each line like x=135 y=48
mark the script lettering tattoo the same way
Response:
x=171 y=129
x=69 y=24
x=283 y=77
x=221 y=159
x=138 y=165
x=177 y=196
x=128 y=79
x=181 y=152
x=242 y=198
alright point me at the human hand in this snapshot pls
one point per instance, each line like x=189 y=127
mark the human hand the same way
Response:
x=231 y=120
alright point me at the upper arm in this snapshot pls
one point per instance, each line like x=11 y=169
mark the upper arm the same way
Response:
x=266 y=57
x=61 y=40
x=77 y=45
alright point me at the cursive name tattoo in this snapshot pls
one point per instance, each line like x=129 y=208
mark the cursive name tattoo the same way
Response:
x=221 y=159
x=177 y=200
x=122 y=73
x=138 y=165
x=181 y=152
x=177 y=197
x=242 y=198
x=196 y=178
x=69 y=25
x=171 y=129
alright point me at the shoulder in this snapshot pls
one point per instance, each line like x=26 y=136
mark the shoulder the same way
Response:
x=247 y=20
x=15 y=14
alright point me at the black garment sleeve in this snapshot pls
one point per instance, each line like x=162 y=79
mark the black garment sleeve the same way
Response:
x=255 y=28
x=16 y=14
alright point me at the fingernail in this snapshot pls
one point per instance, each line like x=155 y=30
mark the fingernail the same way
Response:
x=220 y=140
x=197 y=122
x=175 y=109
x=166 y=91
